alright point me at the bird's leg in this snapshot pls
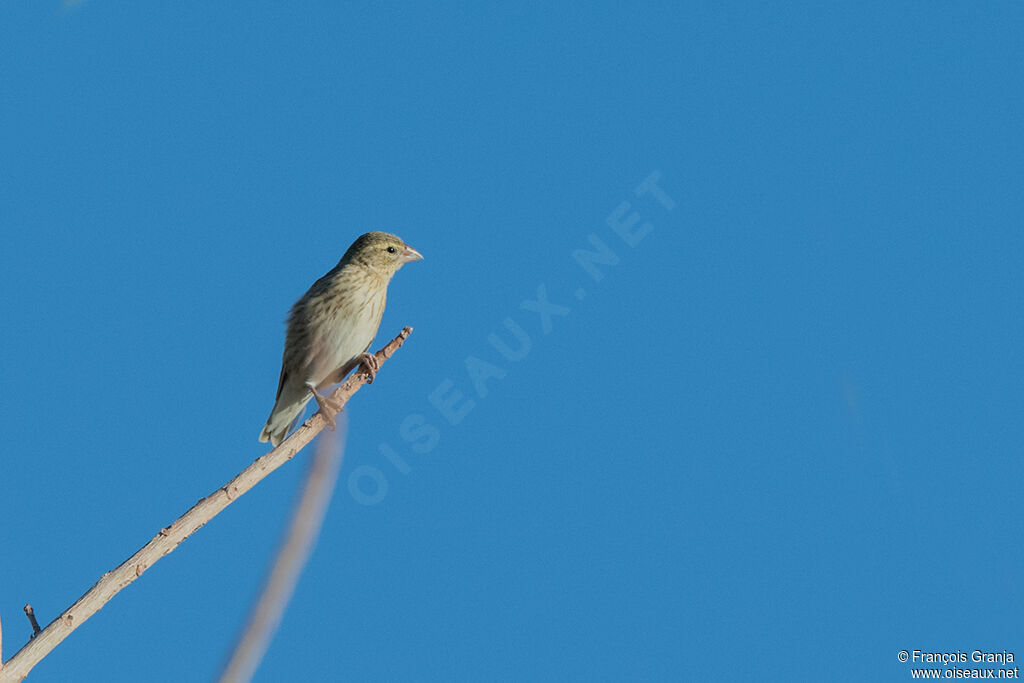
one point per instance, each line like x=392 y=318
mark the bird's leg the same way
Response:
x=327 y=406
x=348 y=367
x=369 y=361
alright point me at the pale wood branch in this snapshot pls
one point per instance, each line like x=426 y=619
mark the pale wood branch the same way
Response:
x=111 y=583
x=296 y=546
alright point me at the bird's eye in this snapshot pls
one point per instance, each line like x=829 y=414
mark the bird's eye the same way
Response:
x=391 y=250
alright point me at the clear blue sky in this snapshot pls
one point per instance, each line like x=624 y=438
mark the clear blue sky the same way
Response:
x=780 y=438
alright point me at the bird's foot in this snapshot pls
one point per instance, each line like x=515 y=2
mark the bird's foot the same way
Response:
x=328 y=406
x=369 y=361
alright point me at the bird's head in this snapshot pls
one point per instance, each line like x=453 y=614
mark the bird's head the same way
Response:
x=381 y=252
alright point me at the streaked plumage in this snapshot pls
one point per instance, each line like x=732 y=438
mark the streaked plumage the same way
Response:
x=333 y=324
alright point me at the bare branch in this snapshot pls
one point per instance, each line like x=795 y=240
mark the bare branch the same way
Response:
x=298 y=542
x=168 y=538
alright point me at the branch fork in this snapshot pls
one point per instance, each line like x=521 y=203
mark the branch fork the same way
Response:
x=44 y=640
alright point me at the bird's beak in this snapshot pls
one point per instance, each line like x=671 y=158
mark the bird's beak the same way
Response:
x=411 y=254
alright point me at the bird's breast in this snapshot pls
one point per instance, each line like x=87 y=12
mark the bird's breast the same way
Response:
x=348 y=321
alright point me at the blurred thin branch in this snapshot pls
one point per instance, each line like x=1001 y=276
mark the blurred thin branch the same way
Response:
x=111 y=583
x=296 y=546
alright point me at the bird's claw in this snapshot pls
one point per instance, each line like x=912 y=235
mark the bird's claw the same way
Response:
x=328 y=406
x=370 y=364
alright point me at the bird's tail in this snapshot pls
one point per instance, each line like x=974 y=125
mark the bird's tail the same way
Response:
x=284 y=417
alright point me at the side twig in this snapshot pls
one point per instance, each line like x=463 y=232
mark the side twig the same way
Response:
x=296 y=546
x=31 y=614
x=170 y=537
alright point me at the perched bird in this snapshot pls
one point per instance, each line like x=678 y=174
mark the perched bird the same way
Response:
x=332 y=325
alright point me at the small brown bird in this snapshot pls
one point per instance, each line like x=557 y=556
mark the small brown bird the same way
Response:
x=332 y=325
